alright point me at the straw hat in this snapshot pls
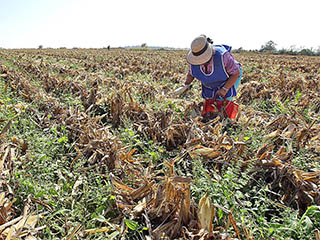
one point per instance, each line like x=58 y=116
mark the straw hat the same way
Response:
x=200 y=52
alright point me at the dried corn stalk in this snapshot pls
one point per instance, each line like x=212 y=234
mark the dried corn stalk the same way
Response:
x=11 y=226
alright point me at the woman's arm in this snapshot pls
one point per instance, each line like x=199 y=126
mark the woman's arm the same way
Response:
x=189 y=77
x=232 y=68
x=230 y=82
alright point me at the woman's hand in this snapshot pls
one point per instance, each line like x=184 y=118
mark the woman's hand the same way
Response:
x=222 y=92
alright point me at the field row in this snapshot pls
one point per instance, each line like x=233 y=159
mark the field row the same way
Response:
x=117 y=139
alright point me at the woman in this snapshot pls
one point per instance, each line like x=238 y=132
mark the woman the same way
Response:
x=219 y=73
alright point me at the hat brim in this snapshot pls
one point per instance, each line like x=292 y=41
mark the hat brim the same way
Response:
x=201 y=59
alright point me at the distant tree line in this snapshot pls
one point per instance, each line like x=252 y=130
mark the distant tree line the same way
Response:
x=270 y=47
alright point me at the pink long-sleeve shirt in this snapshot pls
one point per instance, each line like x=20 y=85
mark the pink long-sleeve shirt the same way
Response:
x=230 y=65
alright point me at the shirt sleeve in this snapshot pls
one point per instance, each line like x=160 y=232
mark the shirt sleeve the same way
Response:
x=230 y=64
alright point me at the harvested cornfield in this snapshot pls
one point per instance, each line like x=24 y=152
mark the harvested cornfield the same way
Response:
x=94 y=145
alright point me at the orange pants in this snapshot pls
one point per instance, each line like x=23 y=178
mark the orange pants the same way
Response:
x=212 y=105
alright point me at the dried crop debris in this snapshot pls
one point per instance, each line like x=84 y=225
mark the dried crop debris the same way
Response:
x=163 y=202
x=13 y=226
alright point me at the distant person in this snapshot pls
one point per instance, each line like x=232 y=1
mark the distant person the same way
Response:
x=108 y=47
x=219 y=73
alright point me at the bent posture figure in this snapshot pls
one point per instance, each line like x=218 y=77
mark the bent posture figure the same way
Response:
x=219 y=73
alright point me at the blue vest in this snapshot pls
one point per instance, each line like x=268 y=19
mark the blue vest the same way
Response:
x=215 y=80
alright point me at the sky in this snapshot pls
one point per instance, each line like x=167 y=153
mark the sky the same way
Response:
x=167 y=23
